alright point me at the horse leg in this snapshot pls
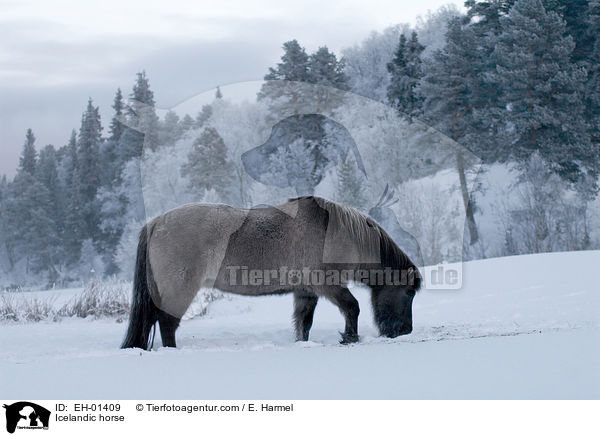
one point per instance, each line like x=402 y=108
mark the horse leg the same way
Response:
x=168 y=324
x=304 y=309
x=348 y=305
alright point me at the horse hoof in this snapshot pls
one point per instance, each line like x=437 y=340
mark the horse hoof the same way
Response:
x=348 y=338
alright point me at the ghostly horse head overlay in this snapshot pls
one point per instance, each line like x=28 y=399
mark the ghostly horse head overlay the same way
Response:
x=291 y=145
x=299 y=152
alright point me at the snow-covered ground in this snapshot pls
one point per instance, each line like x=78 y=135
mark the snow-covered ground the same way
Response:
x=521 y=327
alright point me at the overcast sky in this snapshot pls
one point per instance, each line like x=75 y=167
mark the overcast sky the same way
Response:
x=54 y=55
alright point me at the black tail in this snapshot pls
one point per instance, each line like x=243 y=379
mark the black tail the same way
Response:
x=144 y=312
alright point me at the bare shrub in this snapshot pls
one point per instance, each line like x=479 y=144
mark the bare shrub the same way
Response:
x=100 y=300
x=9 y=310
x=19 y=309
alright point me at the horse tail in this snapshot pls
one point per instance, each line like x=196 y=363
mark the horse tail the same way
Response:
x=144 y=313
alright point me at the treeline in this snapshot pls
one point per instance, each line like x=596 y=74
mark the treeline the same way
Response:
x=63 y=214
x=515 y=81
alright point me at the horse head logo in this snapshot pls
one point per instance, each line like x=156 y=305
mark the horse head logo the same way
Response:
x=26 y=415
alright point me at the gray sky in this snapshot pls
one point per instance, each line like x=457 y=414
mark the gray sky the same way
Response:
x=54 y=55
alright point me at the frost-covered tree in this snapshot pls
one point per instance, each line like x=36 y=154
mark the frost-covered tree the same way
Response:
x=293 y=65
x=542 y=89
x=282 y=99
x=30 y=229
x=28 y=159
x=446 y=89
x=350 y=188
x=187 y=123
x=208 y=166
x=203 y=116
x=48 y=255
x=142 y=130
x=320 y=68
x=88 y=168
x=366 y=63
x=592 y=87
x=170 y=129
x=116 y=125
x=325 y=69
x=575 y=13
x=405 y=72
x=47 y=175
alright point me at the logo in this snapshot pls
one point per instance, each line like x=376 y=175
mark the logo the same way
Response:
x=26 y=415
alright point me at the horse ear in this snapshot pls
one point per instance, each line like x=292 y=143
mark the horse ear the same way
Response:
x=388 y=197
x=380 y=202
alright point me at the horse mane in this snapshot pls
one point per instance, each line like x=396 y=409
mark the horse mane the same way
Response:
x=369 y=236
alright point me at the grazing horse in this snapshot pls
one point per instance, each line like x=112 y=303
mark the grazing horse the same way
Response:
x=309 y=246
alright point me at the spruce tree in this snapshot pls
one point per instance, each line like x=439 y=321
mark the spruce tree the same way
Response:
x=446 y=89
x=116 y=126
x=88 y=168
x=542 y=91
x=293 y=65
x=203 y=116
x=44 y=199
x=171 y=129
x=350 y=189
x=575 y=14
x=187 y=123
x=28 y=160
x=142 y=113
x=28 y=224
x=208 y=166
x=283 y=98
x=405 y=72
x=592 y=86
x=74 y=227
x=324 y=69
x=47 y=175
x=321 y=68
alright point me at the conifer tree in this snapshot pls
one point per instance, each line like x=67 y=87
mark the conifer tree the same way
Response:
x=47 y=175
x=28 y=160
x=446 y=89
x=171 y=129
x=27 y=206
x=324 y=69
x=208 y=166
x=88 y=168
x=203 y=116
x=142 y=113
x=116 y=126
x=592 y=86
x=350 y=190
x=405 y=71
x=542 y=89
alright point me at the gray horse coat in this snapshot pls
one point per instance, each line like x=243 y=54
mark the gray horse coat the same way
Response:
x=208 y=245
